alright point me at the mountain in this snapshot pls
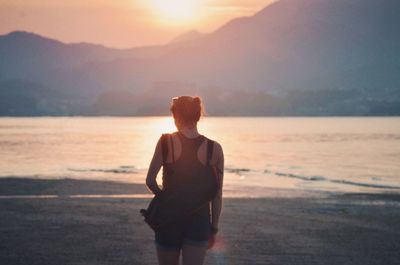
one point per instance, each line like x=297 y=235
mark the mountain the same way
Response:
x=187 y=36
x=28 y=55
x=303 y=57
x=302 y=44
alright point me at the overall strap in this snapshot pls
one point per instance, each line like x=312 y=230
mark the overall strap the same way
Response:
x=172 y=147
x=164 y=147
x=210 y=147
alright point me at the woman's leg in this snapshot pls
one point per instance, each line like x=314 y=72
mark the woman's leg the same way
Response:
x=193 y=254
x=168 y=257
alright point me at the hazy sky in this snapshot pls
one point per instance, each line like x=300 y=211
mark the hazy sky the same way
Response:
x=120 y=23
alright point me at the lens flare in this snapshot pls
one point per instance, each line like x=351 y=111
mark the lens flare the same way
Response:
x=218 y=250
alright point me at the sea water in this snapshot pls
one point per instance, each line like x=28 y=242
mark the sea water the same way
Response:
x=303 y=153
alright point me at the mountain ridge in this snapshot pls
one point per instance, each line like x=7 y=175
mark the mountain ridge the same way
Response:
x=288 y=48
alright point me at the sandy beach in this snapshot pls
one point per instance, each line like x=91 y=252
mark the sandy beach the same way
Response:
x=325 y=229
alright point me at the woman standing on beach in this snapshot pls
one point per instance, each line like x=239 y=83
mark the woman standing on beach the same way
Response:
x=187 y=163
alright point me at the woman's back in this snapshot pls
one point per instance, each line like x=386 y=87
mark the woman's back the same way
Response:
x=186 y=176
x=186 y=161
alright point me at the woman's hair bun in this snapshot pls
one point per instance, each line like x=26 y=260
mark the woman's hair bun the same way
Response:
x=187 y=109
x=197 y=100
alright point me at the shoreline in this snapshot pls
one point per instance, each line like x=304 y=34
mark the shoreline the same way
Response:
x=47 y=188
x=354 y=228
x=74 y=188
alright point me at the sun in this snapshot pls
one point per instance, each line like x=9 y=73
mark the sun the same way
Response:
x=175 y=10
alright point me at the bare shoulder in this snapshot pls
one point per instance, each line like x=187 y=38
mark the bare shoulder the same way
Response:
x=218 y=148
x=217 y=155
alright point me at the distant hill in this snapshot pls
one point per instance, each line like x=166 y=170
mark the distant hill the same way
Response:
x=187 y=36
x=303 y=57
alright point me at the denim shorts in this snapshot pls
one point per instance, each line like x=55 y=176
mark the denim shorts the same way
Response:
x=194 y=232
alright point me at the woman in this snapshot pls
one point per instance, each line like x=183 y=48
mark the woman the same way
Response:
x=187 y=157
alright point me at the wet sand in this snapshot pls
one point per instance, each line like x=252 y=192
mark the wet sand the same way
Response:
x=326 y=229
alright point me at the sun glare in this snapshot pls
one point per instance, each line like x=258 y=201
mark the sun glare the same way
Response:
x=175 y=10
x=165 y=125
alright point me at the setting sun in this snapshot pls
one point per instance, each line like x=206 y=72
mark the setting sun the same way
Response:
x=175 y=10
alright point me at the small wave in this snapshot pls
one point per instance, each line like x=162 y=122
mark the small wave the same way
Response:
x=127 y=167
x=335 y=137
x=338 y=181
x=119 y=170
x=237 y=171
x=311 y=178
x=379 y=186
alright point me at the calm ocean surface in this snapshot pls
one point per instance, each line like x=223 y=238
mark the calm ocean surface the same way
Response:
x=334 y=154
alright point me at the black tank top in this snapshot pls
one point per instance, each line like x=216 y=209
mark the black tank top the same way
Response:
x=185 y=175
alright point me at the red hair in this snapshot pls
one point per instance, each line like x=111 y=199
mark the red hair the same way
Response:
x=186 y=109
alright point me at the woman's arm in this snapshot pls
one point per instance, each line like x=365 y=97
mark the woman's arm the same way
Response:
x=216 y=203
x=155 y=165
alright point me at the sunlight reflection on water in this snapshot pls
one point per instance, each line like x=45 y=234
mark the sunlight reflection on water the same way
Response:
x=334 y=154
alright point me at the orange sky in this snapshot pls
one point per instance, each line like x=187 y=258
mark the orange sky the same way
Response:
x=120 y=23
